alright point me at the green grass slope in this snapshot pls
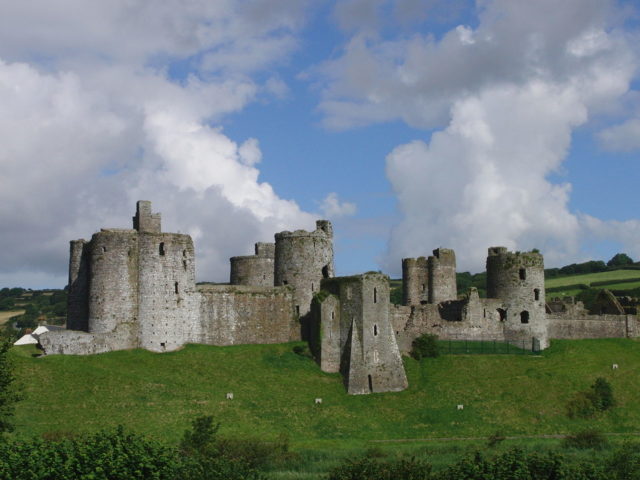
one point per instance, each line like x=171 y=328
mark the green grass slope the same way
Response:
x=159 y=394
x=612 y=280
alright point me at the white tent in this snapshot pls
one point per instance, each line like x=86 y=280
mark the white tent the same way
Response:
x=32 y=338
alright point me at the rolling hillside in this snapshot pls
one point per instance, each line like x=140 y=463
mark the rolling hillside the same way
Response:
x=274 y=390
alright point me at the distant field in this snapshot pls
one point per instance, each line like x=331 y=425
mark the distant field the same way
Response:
x=4 y=316
x=595 y=277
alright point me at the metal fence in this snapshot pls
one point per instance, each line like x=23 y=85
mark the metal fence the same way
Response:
x=480 y=347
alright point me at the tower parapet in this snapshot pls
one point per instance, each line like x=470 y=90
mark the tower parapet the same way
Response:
x=302 y=260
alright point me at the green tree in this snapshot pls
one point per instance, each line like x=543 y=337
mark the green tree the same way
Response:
x=425 y=346
x=620 y=259
x=9 y=394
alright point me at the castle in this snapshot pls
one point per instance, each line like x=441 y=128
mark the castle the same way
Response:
x=135 y=288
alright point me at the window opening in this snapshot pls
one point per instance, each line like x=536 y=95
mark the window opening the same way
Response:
x=184 y=264
x=175 y=285
x=524 y=317
x=375 y=295
x=161 y=248
x=375 y=330
x=162 y=344
x=184 y=253
x=104 y=249
x=370 y=383
x=423 y=287
x=536 y=294
x=325 y=271
x=284 y=282
x=523 y=274
x=503 y=314
x=312 y=287
x=298 y=310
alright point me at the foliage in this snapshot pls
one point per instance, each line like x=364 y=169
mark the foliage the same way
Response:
x=598 y=398
x=370 y=469
x=620 y=259
x=586 y=439
x=9 y=393
x=112 y=455
x=425 y=346
x=395 y=295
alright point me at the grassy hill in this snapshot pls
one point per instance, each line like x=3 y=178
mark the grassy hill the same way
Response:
x=274 y=389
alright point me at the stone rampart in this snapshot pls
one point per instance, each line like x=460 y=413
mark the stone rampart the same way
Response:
x=442 y=275
x=256 y=270
x=415 y=281
x=235 y=314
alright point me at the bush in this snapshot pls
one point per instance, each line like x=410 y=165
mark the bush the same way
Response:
x=425 y=346
x=602 y=395
x=370 y=469
x=586 y=439
x=620 y=259
x=597 y=399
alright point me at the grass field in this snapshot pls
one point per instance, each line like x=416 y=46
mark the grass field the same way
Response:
x=589 y=278
x=4 y=316
x=274 y=389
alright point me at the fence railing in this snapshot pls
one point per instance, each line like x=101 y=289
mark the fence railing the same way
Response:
x=480 y=347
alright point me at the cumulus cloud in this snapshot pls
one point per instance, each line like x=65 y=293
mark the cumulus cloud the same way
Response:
x=92 y=120
x=624 y=137
x=332 y=207
x=503 y=99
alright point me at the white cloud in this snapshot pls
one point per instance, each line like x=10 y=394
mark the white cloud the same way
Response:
x=504 y=98
x=332 y=207
x=91 y=123
x=624 y=137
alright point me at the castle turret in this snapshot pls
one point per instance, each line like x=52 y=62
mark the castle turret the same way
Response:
x=302 y=260
x=255 y=270
x=144 y=221
x=518 y=280
x=442 y=276
x=415 y=280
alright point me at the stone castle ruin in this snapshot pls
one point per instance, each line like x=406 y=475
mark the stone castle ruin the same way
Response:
x=135 y=288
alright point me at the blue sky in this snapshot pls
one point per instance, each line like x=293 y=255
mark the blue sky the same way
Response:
x=411 y=124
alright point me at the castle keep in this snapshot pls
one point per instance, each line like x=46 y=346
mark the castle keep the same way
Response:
x=135 y=288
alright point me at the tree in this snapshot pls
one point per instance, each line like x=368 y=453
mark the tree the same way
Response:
x=425 y=346
x=620 y=259
x=9 y=394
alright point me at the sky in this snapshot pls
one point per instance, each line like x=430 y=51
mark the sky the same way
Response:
x=410 y=124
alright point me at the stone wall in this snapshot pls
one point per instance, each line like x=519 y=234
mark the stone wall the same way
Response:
x=235 y=314
x=592 y=326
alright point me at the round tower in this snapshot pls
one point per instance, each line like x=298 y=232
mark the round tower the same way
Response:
x=113 y=288
x=254 y=270
x=442 y=275
x=518 y=280
x=414 y=280
x=302 y=260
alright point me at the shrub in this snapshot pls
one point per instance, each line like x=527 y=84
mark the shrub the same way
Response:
x=586 y=439
x=602 y=394
x=367 y=468
x=425 y=346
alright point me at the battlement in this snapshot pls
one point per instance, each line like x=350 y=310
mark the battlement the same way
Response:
x=144 y=221
x=264 y=249
x=323 y=229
